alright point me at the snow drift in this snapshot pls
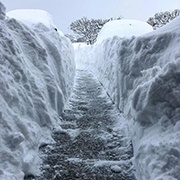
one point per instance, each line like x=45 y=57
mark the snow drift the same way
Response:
x=123 y=28
x=36 y=78
x=142 y=76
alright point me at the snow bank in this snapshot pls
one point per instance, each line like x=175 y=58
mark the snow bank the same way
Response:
x=36 y=78
x=142 y=76
x=81 y=54
x=32 y=17
x=123 y=28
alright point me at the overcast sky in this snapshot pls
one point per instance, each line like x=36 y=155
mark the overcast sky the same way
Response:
x=66 y=11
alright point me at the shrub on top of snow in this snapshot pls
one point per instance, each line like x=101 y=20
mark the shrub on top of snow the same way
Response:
x=123 y=28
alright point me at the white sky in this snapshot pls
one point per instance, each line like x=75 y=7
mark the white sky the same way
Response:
x=66 y=11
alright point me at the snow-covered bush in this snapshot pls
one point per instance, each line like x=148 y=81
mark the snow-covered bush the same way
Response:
x=36 y=78
x=142 y=76
x=88 y=29
x=162 y=18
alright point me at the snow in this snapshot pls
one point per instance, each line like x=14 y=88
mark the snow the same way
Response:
x=142 y=76
x=140 y=72
x=36 y=78
x=123 y=28
x=79 y=45
x=32 y=17
x=81 y=58
x=116 y=169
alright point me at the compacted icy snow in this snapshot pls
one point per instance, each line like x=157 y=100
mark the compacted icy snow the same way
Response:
x=142 y=76
x=94 y=142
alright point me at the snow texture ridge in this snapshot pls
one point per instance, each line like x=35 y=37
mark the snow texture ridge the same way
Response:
x=142 y=76
x=36 y=77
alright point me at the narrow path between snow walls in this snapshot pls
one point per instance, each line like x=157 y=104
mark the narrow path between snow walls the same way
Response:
x=142 y=77
x=94 y=142
x=36 y=77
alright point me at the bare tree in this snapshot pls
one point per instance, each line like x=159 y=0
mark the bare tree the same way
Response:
x=88 y=29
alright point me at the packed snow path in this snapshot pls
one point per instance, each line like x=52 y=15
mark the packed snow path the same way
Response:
x=89 y=146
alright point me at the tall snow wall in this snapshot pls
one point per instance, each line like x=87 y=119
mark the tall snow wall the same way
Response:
x=36 y=77
x=142 y=76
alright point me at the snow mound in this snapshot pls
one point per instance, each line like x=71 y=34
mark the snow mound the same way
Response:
x=142 y=76
x=123 y=28
x=36 y=78
x=33 y=17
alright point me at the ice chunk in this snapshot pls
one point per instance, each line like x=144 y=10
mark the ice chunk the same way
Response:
x=116 y=169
